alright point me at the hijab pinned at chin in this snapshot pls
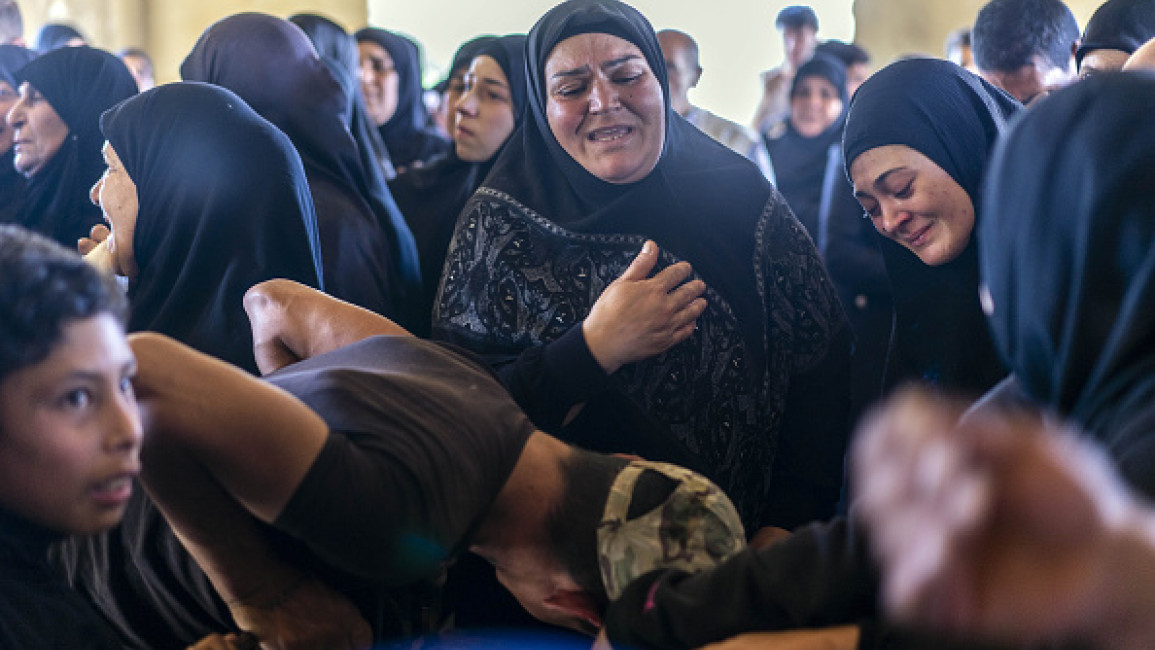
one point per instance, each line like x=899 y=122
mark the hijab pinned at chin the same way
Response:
x=953 y=117
x=1068 y=256
x=79 y=83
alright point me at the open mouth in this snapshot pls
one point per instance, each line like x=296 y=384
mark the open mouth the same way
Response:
x=115 y=491
x=609 y=134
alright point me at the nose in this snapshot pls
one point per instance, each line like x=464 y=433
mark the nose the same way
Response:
x=15 y=116
x=467 y=103
x=603 y=95
x=94 y=193
x=366 y=72
x=891 y=219
x=123 y=432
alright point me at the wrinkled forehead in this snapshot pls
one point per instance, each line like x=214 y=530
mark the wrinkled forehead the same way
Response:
x=592 y=50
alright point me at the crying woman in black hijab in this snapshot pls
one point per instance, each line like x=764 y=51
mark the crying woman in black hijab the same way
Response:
x=487 y=109
x=918 y=136
x=368 y=256
x=57 y=136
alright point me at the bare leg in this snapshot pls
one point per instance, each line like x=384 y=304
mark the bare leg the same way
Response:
x=292 y=322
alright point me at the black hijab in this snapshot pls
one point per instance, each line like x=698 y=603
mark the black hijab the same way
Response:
x=1118 y=25
x=431 y=197
x=338 y=50
x=224 y=204
x=12 y=182
x=272 y=65
x=79 y=83
x=952 y=117
x=799 y=161
x=1069 y=259
x=408 y=135
x=461 y=59
x=54 y=36
x=542 y=237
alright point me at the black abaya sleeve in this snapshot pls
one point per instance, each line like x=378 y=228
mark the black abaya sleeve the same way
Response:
x=548 y=380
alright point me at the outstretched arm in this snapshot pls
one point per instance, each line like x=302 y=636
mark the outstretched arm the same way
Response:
x=292 y=322
x=1000 y=528
x=221 y=450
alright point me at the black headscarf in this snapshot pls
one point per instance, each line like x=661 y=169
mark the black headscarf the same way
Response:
x=408 y=135
x=461 y=59
x=431 y=197
x=542 y=237
x=79 y=83
x=1118 y=25
x=224 y=204
x=952 y=117
x=12 y=182
x=799 y=161
x=1069 y=258
x=272 y=65
x=54 y=36
x=339 y=51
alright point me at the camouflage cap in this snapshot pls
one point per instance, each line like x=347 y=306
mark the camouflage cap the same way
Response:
x=696 y=527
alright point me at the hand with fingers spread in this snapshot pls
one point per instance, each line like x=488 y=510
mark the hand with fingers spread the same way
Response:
x=998 y=528
x=638 y=316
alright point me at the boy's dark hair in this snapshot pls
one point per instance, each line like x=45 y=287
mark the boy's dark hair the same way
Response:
x=796 y=17
x=572 y=525
x=42 y=287
x=11 y=22
x=1007 y=33
x=849 y=53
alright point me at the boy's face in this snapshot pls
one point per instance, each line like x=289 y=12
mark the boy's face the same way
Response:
x=70 y=431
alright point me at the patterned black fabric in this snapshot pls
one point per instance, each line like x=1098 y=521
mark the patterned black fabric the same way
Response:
x=514 y=279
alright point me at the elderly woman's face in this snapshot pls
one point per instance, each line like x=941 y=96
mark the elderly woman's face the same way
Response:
x=913 y=201
x=37 y=131
x=116 y=195
x=605 y=106
x=379 y=82
x=8 y=97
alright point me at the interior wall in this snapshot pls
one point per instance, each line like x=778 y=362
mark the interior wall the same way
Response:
x=168 y=29
x=736 y=37
x=174 y=26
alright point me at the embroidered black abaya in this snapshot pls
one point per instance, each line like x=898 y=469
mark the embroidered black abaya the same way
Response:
x=224 y=204
x=79 y=83
x=272 y=66
x=953 y=118
x=431 y=197
x=756 y=398
x=12 y=182
x=408 y=136
x=1069 y=258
